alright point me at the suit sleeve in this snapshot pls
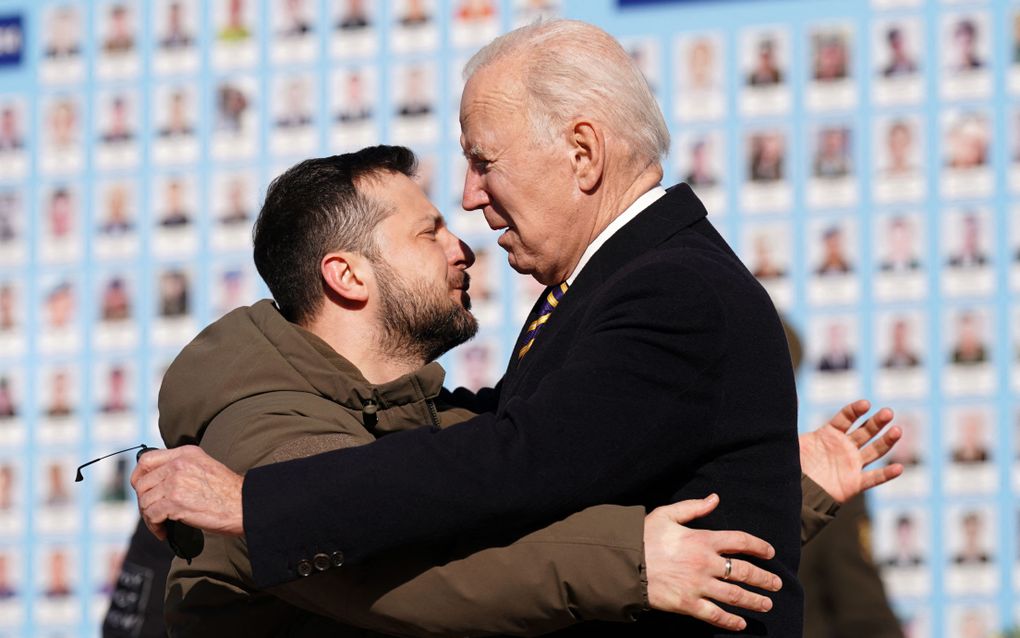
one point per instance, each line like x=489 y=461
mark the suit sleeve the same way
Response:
x=588 y=566
x=604 y=424
x=817 y=509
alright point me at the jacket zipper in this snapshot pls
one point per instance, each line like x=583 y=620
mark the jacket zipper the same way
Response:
x=433 y=412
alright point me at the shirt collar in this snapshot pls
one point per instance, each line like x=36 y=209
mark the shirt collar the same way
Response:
x=626 y=216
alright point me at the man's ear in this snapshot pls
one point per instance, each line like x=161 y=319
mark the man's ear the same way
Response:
x=588 y=154
x=345 y=274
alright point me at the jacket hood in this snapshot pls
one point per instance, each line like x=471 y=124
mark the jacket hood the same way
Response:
x=254 y=350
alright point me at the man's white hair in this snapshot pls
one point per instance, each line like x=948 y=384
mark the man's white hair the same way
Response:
x=573 y=69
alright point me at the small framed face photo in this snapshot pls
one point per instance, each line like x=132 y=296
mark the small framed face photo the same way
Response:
x=13 y=247
x=898 y=147
x=175 y=204
x=970 y=370
x=415 y=106
x=118 y=30
x=234 y=202
x=235 y=24
x=117 y=327
x=234 y=285
x=912 y=451
x=831 y=83
x=415 y=28
x=832 y=183
x=354 y=33
x=59 y=313
x=61 y=36
x=477 y=364
x=475 y=22
x=900 y=240
x=966 y=55
x=116 y=115
x=700 y=163
x=971 y=543
x=176 y=116
x=12 y=316
x=175 y=25
x=902 y=546
x=13 y=132
x=833 y=353
x=968 y=257
x=61 y=134
x=294 y=127
x=294 y=35
x=647 y=56
x=767 y=249
x=175 y=299
x=116 y=212
x=61 y=238
x=900 y=346
x=831 y=250
x=897 y=46
x=966 y=140
x=699 y=60
x=235 y=135
x=353 y=100
x=765 y=68
x=766 y=187
x=60 y=404
x=12 y=407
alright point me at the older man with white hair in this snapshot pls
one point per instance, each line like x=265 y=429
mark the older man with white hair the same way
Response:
x=653 y=369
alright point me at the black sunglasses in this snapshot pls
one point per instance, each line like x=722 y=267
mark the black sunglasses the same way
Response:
x=186 y=541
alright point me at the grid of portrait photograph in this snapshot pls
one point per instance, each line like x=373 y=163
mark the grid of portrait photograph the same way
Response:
x=862 y=157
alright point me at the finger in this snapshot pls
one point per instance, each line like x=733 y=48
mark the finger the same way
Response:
x=735 y=596
x=714 y=615
x=871 y=427
x=745 y=572
x=688 y=510
x=151 y=460
x=151 y=479
x=740 y=543
x=879 y=448
x=849 y=414
x=874 y=478
x=153 y=518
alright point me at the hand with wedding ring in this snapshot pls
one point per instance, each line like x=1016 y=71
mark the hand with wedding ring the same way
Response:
x=690 y=570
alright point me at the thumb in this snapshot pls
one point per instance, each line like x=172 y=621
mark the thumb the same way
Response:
x=685 y=511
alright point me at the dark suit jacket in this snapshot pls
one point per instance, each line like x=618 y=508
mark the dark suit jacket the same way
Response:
x=662 y=375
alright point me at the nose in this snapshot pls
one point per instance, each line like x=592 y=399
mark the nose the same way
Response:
x=475 y=197
x=458 y=253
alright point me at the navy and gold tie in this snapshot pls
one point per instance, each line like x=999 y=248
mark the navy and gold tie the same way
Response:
x=551 y=301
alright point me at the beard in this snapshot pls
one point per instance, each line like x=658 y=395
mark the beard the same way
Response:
x=420 y=322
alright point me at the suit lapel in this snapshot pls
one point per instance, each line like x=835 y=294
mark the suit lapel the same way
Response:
x=670 y=214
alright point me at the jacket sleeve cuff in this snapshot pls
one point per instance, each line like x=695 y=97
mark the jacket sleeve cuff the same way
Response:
x=818 y=508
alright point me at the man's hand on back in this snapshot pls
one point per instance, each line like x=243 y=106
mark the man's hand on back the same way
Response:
x=186 y=484
x=686 y=567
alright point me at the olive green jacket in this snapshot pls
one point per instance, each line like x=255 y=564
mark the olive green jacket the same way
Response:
x=254 y=389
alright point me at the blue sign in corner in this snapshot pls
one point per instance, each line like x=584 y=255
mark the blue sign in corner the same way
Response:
x=12 y=40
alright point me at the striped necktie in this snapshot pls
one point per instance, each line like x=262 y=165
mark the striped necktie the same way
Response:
x=551 y=301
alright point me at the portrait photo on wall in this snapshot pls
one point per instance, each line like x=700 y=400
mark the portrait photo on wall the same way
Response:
x=966 y=56
x=474 y=22
x=12 y=499
x=293 y=111
x=60 y=126
x=699 y=158
x=14 y=160
x=902 y=546
x=966 y=139
x=354 y=33
x=899 y=240
x=968 y=257
x=764 y=64
x=897 y=47
x=898 y=150
x=57 y=583
x=114 y=383
x=59 y=300
x=353 y=99
x=61 y=37
x=647 y=56
x=175 y=27
x=831 y=83
x=699 y=90
x=234 y=285
x=477 y=364
x=234 y=197
x=12 y=226
x=175 y=313
x=833 y=353
x=970 y=435
x=176 y=122
x=415 y=107
x=175 y=206
x=60 y=406
x=912 y=452
x=767 y=187
x=969 y=370
x=12 y=608
x=832 y=182
x=767 y=252
x=61 y=237
x=117 y=322
x=12 y=317
x=235 y=134
x=116 y=121
x=832 y=250
x=899 y=346
x=116 y=219
x=294 y=35
x=118 y=31
x=414 y=26
x=971 y=535
x=235 y=25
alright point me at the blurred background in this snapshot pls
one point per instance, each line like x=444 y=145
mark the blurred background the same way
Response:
x=863 y=157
